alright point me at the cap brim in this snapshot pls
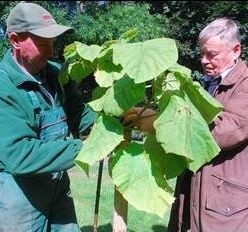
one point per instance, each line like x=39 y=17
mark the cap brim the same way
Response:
x=51 y=31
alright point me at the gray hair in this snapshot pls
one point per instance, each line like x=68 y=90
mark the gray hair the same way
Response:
x=226 y=28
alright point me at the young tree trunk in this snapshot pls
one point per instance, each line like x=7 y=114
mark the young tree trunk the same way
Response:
x=98 y=192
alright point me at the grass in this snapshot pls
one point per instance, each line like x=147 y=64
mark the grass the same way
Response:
x=84 y=193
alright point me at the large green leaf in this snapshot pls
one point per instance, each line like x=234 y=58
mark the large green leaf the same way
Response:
x=81 y=60
x=86 y=52
x=70 y=53
x=171 y=82
x=63 y=75
x=144 y=61
x=106 y=79
x=97 y=104
x=201 y=99
x=167 y=81
x=105 y=135
x=181 y=130
x=168 y=165
x=80 y=70
x=107 y=72
x=135 y=178
x=123 y=95
x=180 y=69
x=98 y=98
x=98 y=92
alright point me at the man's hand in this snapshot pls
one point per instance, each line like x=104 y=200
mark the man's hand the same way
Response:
x=140 y=118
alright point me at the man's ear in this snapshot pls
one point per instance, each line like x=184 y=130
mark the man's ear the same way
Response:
x=14 y=39
x=237 y=50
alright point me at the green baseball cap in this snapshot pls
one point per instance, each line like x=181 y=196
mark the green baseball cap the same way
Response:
x=30 y=17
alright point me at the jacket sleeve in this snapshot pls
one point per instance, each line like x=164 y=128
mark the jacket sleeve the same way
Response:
x=230 y=128
x=21 y=152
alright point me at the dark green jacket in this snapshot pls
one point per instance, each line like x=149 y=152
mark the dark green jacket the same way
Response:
x=21 y=150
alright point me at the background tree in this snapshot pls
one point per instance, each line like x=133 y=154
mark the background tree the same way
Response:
x=98 y=21
x=187 y=18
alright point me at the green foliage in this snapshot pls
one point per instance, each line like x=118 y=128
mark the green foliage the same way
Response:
x=181 y=139
x=107 y=128
x=187 y=18
x=5 y=7
x=4 y=45
x=181 y=20
x=132 y=170
x=114 y=19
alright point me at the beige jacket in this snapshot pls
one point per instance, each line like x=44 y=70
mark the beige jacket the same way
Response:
x=218 y=198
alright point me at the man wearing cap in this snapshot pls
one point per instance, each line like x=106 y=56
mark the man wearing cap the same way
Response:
x=35 y=118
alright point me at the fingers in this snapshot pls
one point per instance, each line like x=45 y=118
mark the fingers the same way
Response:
x=129 y=118
x=147 y=115
x=130 y=115
x=146 y=123
x=140 y=118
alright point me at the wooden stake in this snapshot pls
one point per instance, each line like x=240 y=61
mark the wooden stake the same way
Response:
x=98 y=191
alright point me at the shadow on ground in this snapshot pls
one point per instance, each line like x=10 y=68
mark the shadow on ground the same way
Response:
x=101 y=228
x=108 y=228
x=159 y=228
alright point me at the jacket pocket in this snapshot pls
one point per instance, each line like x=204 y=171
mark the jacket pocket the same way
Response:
x=226 y=197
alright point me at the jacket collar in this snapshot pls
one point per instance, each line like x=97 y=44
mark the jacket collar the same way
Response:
x=14 y=71
x=234 y=75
